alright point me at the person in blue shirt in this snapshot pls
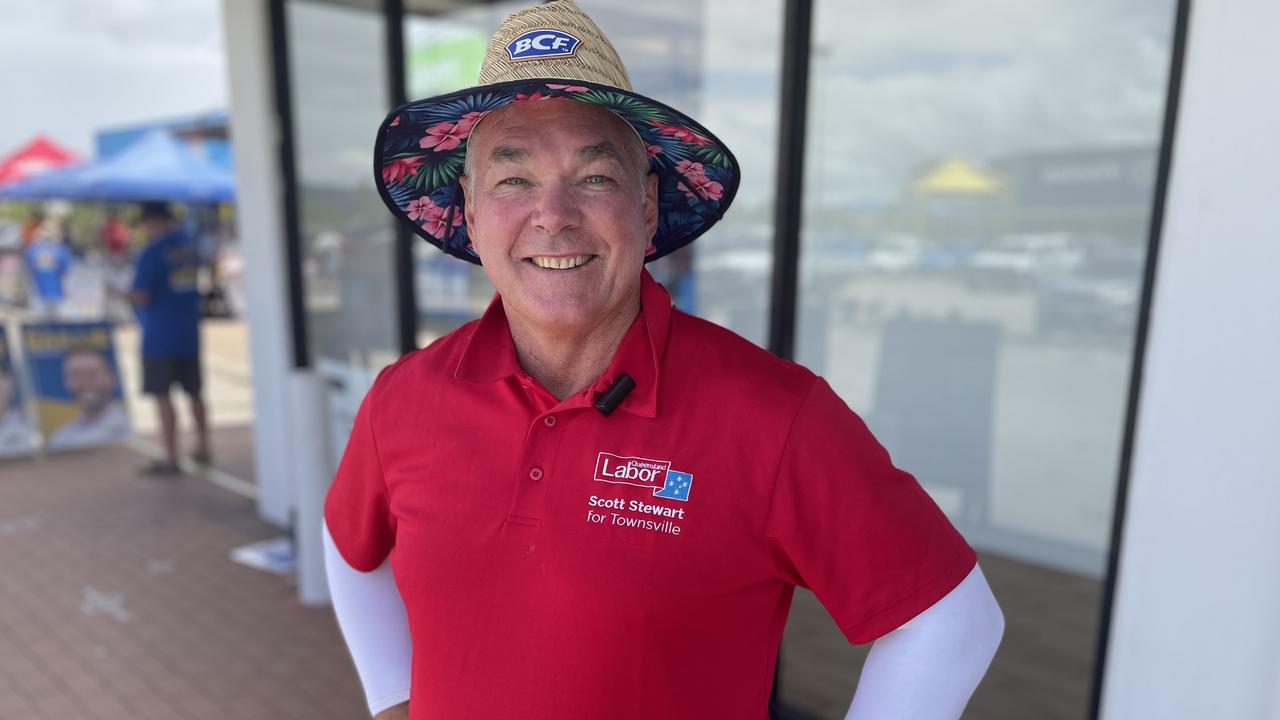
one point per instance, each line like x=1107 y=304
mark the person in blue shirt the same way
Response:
x=167 y=300
x=47 y=261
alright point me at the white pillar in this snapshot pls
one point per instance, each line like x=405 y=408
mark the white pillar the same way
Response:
x=309 y=430
x=1196 y=630
x=260 y=228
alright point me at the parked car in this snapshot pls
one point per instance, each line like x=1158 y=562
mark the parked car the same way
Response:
x=896 y=254
x=1084 y=307
x=1017 y=260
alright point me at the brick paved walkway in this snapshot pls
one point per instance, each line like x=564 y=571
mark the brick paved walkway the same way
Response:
x=118 y=600
x=1042 y=671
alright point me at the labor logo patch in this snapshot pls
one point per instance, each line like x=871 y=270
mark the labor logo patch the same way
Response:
x=656 y=475
x=542 y=44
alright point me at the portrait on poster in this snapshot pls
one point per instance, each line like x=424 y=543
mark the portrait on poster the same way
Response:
x=78 y=396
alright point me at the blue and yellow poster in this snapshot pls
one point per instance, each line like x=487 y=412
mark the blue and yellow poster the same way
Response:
x=17 y=436
x=79 y=401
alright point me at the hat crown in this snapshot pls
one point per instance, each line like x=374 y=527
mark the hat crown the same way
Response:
x=554 y=40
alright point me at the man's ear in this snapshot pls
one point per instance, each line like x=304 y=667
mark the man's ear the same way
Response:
x=651 y=203
x=468 y=211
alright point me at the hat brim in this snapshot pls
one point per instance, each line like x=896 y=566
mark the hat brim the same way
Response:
x=421 y=148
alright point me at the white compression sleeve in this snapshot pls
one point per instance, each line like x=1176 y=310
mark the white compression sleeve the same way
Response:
x=928 y=668
x=375 y=626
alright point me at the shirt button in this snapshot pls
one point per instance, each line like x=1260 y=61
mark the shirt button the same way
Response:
x=549 y=421
x=535 y=474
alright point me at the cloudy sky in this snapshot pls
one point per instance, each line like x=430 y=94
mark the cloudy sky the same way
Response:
x=70 y=67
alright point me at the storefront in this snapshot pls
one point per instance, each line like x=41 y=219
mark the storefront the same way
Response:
x=947 y=210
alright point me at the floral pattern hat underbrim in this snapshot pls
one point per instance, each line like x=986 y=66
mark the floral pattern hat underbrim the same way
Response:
x=421 y=148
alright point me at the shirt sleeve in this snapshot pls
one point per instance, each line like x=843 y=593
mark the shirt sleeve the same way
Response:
x=144 y=275
x=375 y=625
x=857 y=531
x=357 y=509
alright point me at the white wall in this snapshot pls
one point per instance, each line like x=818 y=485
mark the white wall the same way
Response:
x=260 y=227
x=1196 y=631
x=291 y=448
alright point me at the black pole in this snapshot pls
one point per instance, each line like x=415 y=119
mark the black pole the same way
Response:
x=797 y=27
x=796 y=39
x=1139 y=351
x=288 y=183
x=406 y=302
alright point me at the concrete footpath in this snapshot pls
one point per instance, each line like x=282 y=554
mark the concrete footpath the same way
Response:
x=118 y=601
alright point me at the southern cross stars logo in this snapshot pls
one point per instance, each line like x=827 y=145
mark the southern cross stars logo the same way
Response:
x=643 y=472
x=676 y=487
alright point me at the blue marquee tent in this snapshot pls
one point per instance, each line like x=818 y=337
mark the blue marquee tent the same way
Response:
x=156 y=167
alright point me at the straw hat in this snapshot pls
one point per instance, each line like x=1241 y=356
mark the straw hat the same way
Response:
x=548 y=51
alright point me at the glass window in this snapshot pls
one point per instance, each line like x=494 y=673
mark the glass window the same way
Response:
x=978 y=189
x=339 y=90
x=719 y=62
x=442 y=53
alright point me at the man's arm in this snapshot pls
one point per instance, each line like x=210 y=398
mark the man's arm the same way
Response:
x=395 y=712
x=375 y=625
x=928 y=668
x=144 y=278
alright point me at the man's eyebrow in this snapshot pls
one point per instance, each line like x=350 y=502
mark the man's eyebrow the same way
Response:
x=597 y=151
x=506 y=153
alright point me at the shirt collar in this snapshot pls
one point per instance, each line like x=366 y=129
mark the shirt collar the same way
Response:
x=490 y=355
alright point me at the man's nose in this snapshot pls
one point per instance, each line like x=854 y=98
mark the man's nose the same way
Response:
x=557 y=209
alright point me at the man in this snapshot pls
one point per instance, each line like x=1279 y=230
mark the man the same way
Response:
x=588 y=504
x=167 y=299
x=89 y=378
x=48 y=261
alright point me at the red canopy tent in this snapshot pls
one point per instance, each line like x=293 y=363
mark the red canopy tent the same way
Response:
x=37 y=156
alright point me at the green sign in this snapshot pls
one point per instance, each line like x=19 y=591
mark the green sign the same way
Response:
x=440 y=66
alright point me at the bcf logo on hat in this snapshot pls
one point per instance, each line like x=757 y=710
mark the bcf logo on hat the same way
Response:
x=537 y=44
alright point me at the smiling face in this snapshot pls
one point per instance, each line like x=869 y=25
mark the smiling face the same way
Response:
x=89 y=379
x=560 y=208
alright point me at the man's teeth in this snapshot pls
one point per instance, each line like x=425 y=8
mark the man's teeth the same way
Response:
x=560 y=263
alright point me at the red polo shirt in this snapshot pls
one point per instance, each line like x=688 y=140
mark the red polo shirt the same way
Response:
x=559 y=564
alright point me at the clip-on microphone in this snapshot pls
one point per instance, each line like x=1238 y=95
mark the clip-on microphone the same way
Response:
x=617 y=392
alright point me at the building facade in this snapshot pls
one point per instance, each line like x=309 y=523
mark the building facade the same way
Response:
x=953 y=211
